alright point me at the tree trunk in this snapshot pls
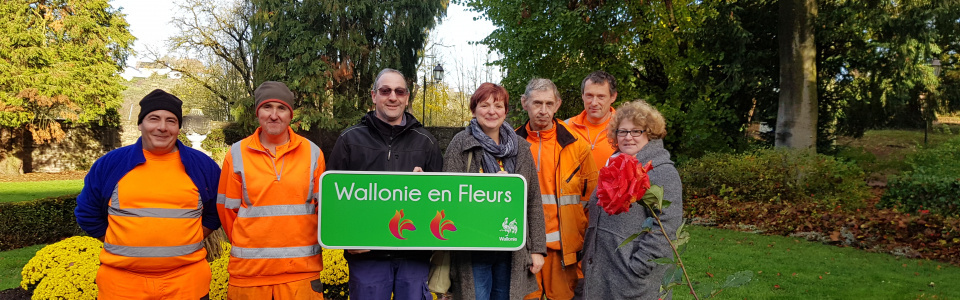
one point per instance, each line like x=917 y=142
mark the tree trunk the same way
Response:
x=797 y=114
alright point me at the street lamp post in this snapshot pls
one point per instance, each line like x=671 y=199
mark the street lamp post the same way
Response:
x=437 y=77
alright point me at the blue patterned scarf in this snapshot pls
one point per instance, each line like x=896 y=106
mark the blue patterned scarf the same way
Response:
x=506 y=151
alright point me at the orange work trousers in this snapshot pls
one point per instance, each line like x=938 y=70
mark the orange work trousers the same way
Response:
x=188 y=282
x=559 y=281
x=307 y=289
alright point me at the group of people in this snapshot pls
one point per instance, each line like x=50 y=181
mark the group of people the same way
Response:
x=152 y=203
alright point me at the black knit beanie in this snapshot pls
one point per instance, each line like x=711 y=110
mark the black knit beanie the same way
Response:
x=273 y=91
x=161 y=100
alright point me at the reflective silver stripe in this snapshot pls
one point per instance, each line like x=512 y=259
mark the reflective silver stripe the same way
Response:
x=277 y=210
x=569 y=199
x=564 y=200
x=173 y=251
x=115 y=197
x=173 y=213
x=237 y=154
x=285 y=252
x=314 y=158
x=228 y=203
x=549 y=199
x=553 y=236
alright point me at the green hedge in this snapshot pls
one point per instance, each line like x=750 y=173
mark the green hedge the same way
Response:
x=40 y=221
x=778 y=176
x=933 y=184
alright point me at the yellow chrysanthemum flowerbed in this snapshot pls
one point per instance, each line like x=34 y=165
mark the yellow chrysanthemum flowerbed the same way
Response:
x=335 y=270
x=218 y=273
x=64 y=270
x=335 y=274
x=67 y=269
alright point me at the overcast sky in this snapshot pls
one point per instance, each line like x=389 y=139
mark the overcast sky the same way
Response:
x=150 y=24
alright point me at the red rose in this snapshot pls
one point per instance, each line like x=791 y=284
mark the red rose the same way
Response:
x=621 y=183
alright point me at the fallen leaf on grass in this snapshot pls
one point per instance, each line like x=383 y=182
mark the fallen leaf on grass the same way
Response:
x=708 y=274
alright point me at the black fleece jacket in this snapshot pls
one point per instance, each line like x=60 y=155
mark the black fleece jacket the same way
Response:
x=374 y=145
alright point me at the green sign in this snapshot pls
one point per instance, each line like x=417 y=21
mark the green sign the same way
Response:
x=427 y=211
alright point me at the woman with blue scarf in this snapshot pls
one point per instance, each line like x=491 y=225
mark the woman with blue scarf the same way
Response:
x=489 y=145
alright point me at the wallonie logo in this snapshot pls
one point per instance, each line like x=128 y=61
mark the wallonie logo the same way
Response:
x=438 y=225
x=397 y=227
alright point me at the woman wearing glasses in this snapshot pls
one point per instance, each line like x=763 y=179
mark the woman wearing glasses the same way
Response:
x=613 y=272
x=489 y=145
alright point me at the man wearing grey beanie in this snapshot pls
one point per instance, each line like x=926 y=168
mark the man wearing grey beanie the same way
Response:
x=268 y=205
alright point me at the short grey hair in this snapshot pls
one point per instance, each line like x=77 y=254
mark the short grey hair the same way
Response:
x=540 y=84
x=376 y=81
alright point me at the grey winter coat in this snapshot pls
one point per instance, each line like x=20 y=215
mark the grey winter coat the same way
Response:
x=628 y=272
x=522 y=282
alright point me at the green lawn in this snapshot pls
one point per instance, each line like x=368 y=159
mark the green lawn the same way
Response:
x=791 y=268
x=882 y=152
x=12 y=262
x=31 y=190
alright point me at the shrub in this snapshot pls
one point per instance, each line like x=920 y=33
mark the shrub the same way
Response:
x=933 y=184
x=41 y=221
x=214 y=140
x=916 y=192
x=64 y=270
x=776 y=176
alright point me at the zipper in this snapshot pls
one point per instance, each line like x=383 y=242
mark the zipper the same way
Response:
x=557 y=190
x=273 y=162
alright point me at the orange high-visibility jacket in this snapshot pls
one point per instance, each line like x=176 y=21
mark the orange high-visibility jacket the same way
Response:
x=139 y=209
x=568 y=176
x=268 y=207
x=595 y=135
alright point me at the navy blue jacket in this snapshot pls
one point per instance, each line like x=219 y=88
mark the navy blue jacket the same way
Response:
x=107 y=171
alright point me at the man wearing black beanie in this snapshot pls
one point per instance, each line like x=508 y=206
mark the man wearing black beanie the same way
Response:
x=152 y=203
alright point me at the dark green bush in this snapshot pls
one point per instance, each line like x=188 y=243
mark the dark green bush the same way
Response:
x=933 y=184
x=915 y=192
x=234 y=132
x=37 y=222
x=214 y=140
x=776 y=176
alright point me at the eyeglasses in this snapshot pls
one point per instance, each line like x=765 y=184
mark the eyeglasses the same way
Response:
x=635 y=132
x=385 y=91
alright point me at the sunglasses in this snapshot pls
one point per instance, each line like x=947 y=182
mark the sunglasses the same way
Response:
x=635 y=132
x=385 y=91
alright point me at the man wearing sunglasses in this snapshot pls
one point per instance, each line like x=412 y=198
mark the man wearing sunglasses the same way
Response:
x=387 y=139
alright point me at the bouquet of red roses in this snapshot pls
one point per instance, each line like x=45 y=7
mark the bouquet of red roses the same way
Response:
x=621 y=183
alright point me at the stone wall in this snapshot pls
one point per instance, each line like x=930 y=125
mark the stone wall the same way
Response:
x=82 y=146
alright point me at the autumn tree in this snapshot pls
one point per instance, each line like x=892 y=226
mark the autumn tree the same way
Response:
x=713 y=67
x=60 y=61
x=213 y=54
x=329 y=52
